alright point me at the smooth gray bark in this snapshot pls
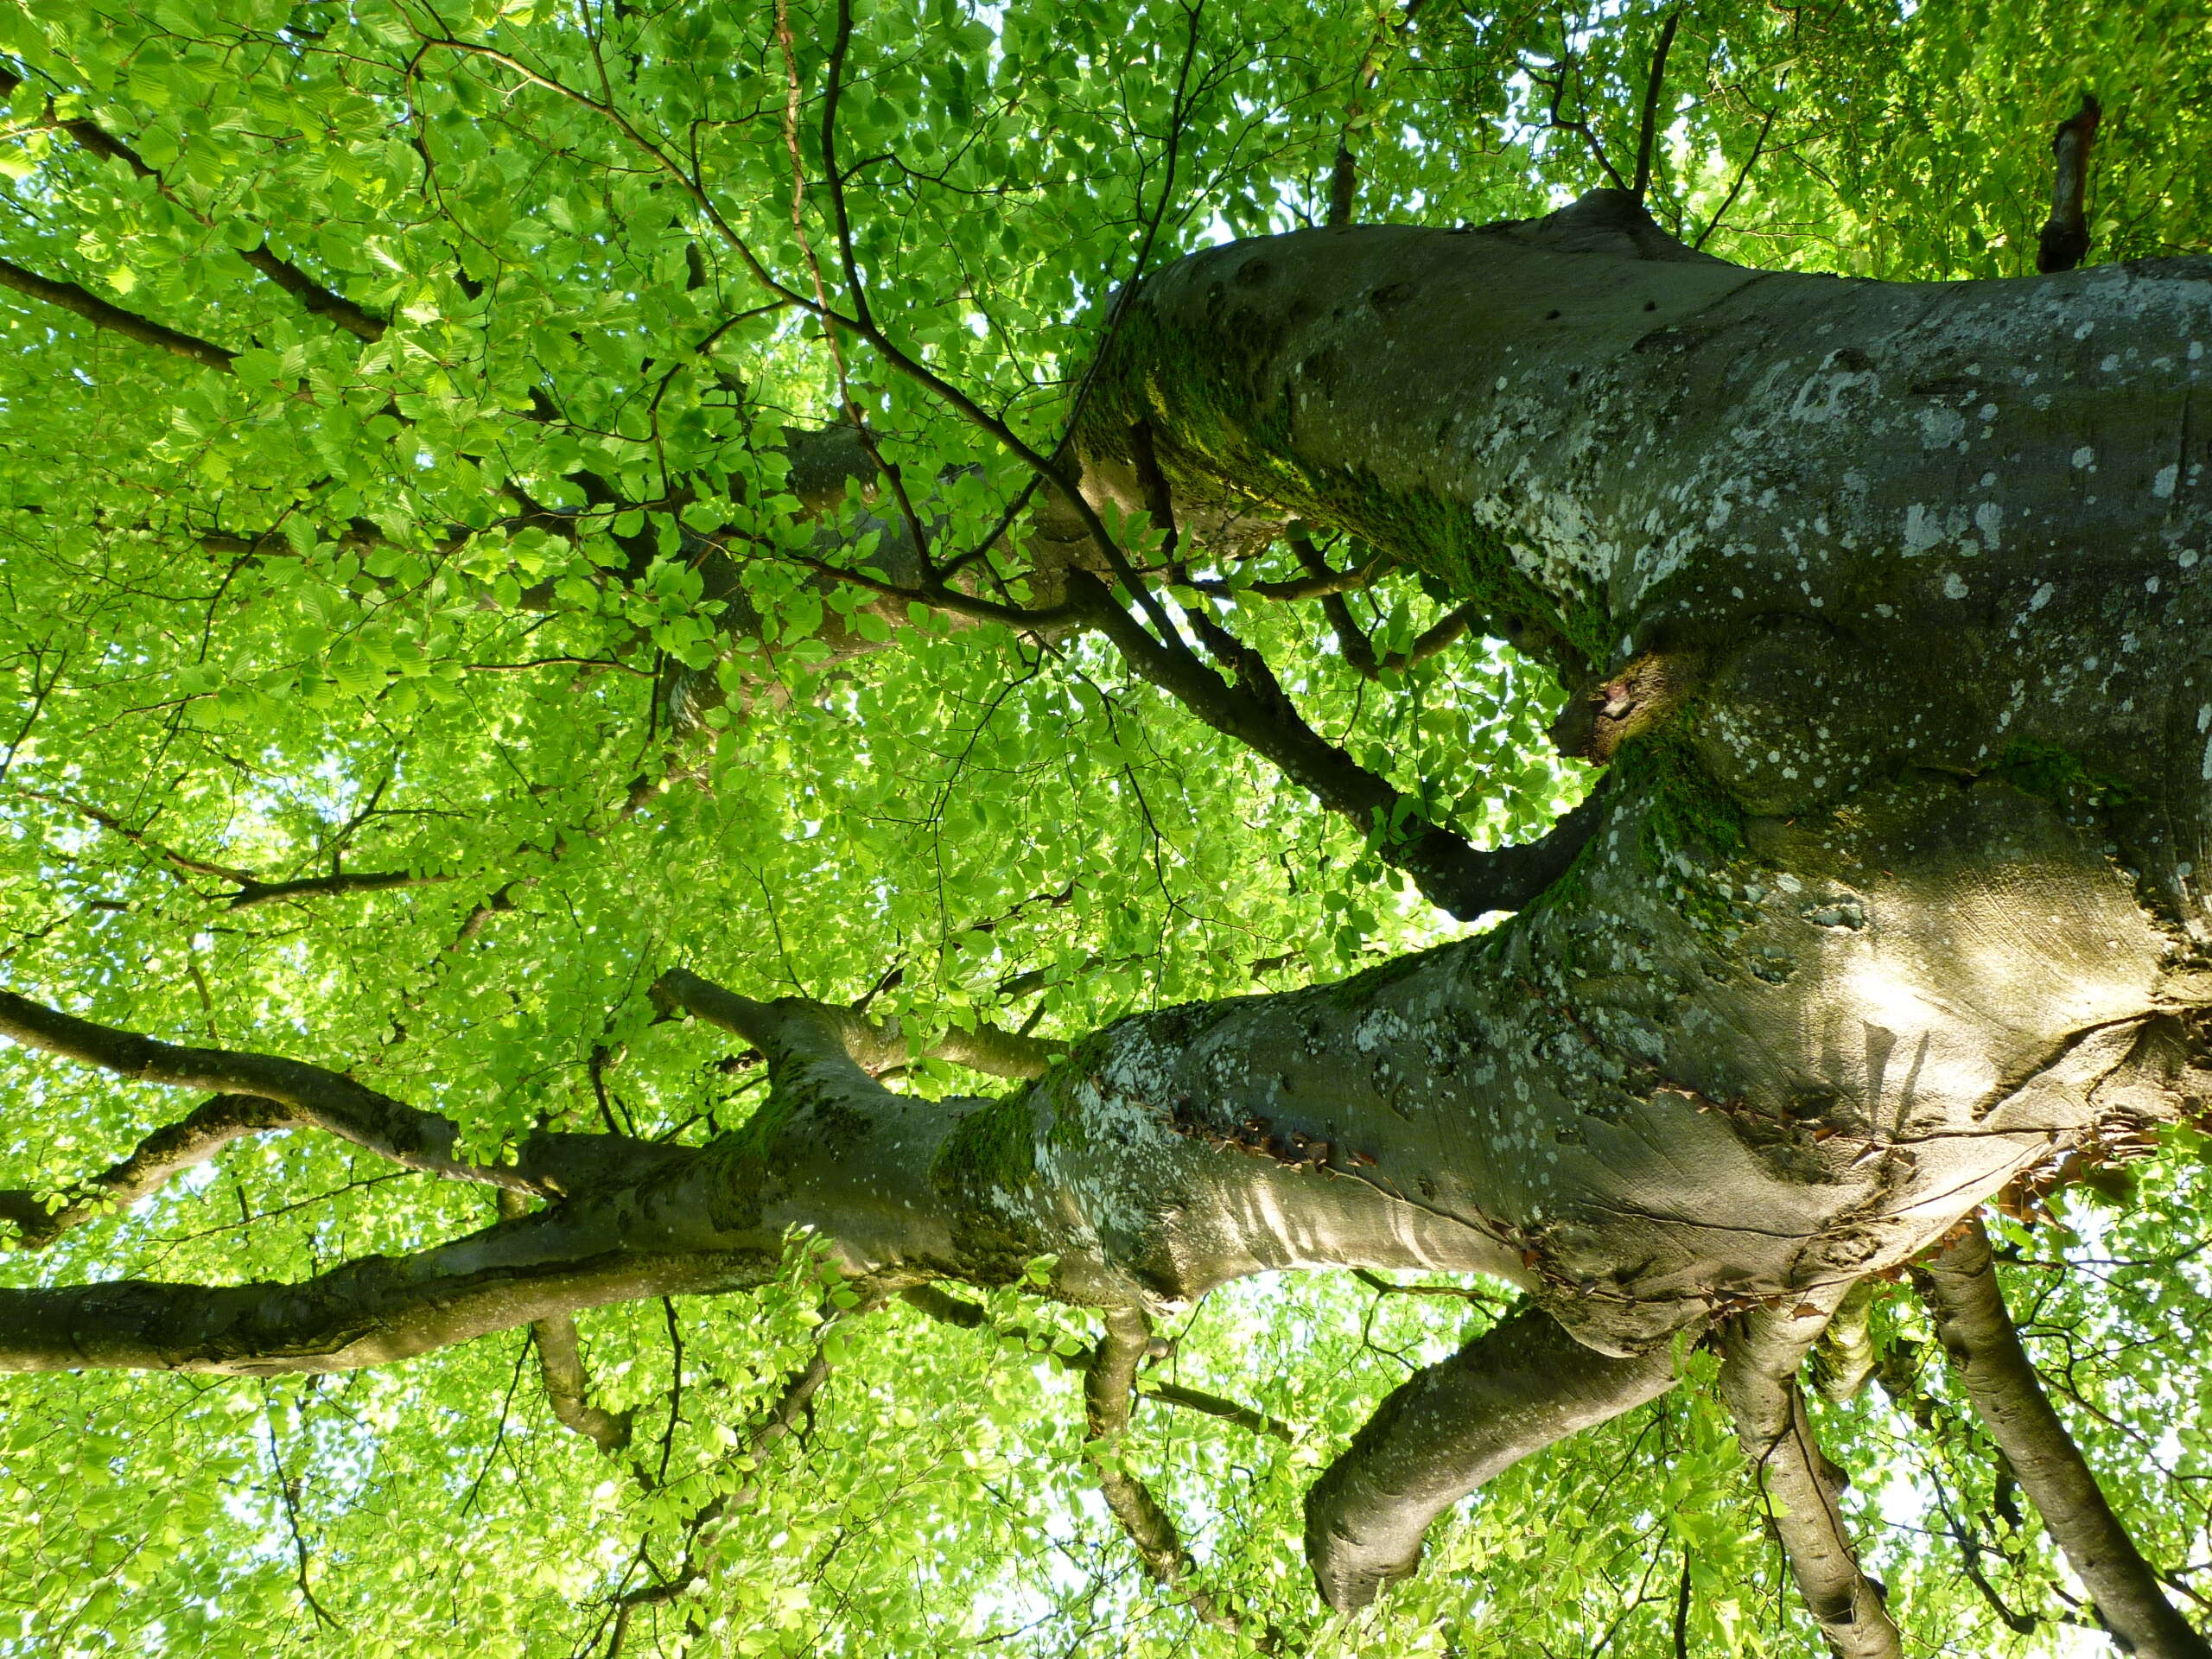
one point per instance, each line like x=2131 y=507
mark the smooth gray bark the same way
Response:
x=1958 y=1283
x=1512 y=1391
x=1763 y=1352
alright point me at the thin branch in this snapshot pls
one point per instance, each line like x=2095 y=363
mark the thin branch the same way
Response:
x=1109 y=1385
x=1377 y=1282
x=1565 y=68
x=1344 y=171
x=101 y=315
x=341 y=884
x=548 y=1165
x=794 y=1403
x=181 y=862
x=1647 y=131
x=311 y=295
x=248 y=889
x=969 y=1316
x=1743 y=177
x=876 y=1046
x=1447 y=870
x=287 y=1490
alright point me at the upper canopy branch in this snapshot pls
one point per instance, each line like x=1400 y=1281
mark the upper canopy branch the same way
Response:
x=248 y=889
x=98 y=140
x=551 y=1164
x=103 y=313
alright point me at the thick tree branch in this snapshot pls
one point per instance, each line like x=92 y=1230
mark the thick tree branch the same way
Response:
x=561 y=1367
x=159 y=1158
x=567 y=1389
x=1522 y=1385
x=313 y=296
x=375 y=1311
x=338 y=885
x=1844 y=1358
x=1357 y=651
x=1647 y=133
x=1762 y=1351
x=1959 y=1284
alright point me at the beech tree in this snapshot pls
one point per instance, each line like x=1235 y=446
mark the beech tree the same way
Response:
x=893 y=827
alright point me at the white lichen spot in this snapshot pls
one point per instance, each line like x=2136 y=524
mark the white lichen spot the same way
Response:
x=1940 y=427
x=1954 y=586
x=2041 y=597
x=1986 y=517
x=2085 y=456
x=2162 y=484
x=1924 y=528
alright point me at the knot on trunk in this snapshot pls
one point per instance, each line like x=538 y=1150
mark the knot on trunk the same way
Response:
x=1600 y=718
